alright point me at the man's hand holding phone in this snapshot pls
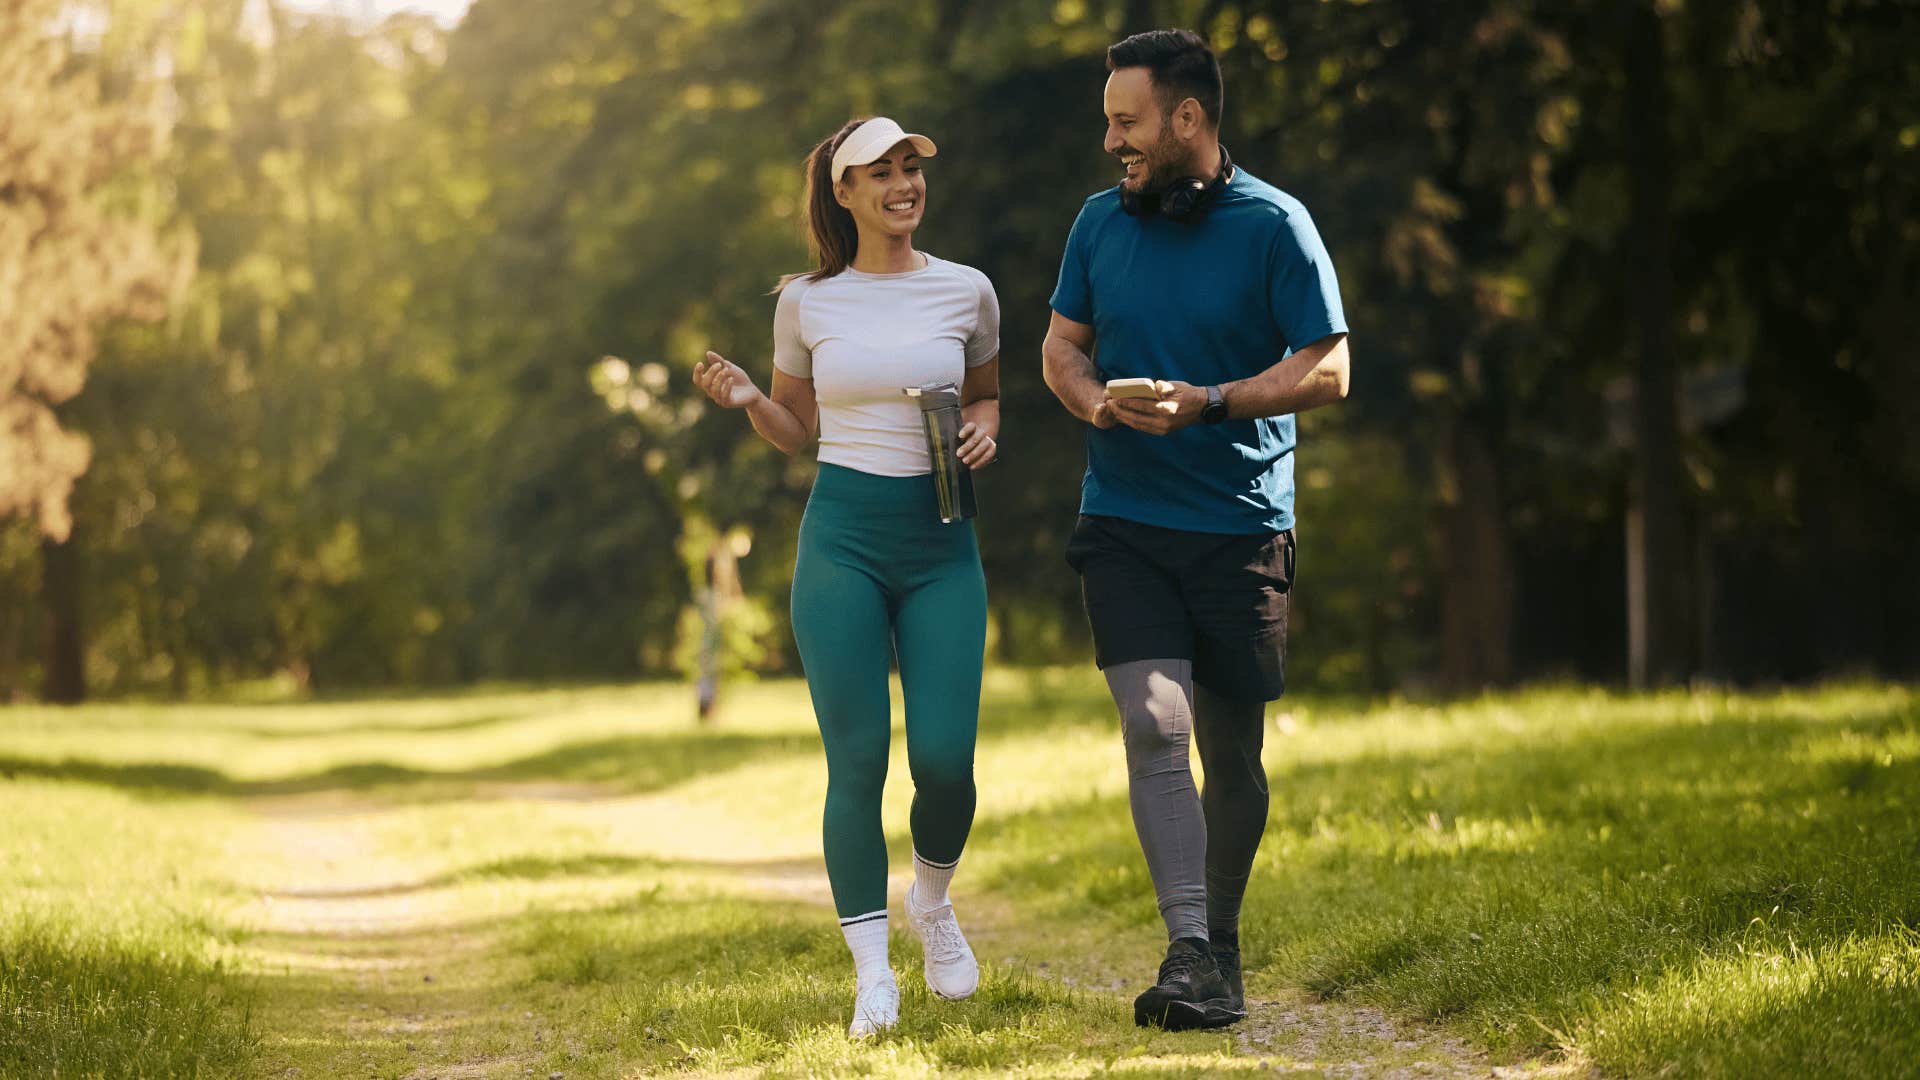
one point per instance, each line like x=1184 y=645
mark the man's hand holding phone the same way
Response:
x=1133 y=389
x=1105 y=415
x=1155 y=406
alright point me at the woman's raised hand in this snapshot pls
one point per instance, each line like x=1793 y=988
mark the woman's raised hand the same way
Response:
x=724 y=382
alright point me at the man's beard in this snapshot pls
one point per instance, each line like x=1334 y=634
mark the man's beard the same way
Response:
x=1166 y=162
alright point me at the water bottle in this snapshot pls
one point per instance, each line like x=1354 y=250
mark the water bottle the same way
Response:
x=952 y=480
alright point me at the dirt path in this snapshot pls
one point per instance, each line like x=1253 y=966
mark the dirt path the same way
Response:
x=1284 y=1032
x=369 y=967
x=374 y=967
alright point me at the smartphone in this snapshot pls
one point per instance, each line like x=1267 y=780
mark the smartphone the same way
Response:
x=1132 y=388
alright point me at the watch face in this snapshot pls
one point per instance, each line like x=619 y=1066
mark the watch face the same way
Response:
x=1216 y=407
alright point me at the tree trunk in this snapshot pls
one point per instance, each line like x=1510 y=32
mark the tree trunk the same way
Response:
x=66 y=682
x=1661 y=647
x=12 y=619
x=1476 y=565
x=178 y=683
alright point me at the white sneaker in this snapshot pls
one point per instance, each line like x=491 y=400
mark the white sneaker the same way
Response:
x=875 y=1009
x=952 y=972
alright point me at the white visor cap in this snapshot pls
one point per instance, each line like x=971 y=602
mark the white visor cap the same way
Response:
x=873 y=139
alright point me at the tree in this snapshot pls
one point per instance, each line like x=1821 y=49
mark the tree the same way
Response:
x=74 y=252
x=423 y=414
x=1656 y=541
x=283 y=469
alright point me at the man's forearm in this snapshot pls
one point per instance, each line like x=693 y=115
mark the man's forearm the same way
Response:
x=1070 y=374
x=1308 y=379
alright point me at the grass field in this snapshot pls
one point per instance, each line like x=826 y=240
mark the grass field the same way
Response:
x=584 y=882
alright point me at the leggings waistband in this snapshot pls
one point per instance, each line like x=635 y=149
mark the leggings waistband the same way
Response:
x=906 y=497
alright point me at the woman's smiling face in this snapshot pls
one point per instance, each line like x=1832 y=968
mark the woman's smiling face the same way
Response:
x=887 y=195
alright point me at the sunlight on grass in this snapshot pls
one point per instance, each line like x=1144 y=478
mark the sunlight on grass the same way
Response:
x=740 y=984
x=111 y=949
x=1770 y=1009
x=586 y=881
x=72 y=1004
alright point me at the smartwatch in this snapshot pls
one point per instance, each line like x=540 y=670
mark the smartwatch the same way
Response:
x=1216 y=407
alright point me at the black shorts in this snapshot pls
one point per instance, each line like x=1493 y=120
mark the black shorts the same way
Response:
x=1219 y=600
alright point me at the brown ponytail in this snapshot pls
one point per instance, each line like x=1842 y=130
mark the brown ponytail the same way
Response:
x=830 y=230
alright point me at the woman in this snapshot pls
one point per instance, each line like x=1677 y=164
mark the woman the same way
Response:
x=877 y=571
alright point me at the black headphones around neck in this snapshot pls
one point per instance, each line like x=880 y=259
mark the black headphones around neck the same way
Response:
x=1186 y=199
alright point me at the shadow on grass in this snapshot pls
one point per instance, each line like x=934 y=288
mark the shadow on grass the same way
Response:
x=629 y=764
x=544 y=868
x=437 y=727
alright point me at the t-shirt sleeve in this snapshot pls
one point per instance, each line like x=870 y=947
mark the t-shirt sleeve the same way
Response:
x=984 y=343
x=1303 y=292
x=790 y=352
x=1073 y=293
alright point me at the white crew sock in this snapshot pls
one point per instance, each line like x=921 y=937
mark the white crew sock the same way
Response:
x=930 y=881
x=867 y=937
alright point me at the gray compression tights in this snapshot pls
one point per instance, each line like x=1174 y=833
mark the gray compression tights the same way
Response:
x=1199 y=846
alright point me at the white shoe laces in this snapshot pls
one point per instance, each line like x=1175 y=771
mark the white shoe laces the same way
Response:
x=941 y=930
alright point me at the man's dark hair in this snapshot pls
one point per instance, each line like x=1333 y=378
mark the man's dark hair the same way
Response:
x=1180 y=65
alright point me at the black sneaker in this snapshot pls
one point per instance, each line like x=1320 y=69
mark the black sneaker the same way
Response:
x=1226 y=957
x=1190 y=993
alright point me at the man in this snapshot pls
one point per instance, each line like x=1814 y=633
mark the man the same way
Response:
x=1214 y=285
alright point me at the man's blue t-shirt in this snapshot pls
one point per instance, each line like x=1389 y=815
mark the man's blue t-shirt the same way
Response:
x=1203 y=302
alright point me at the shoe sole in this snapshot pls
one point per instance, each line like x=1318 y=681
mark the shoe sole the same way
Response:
x=937 y=992
x=1178 y=1015
x=942 y=994
x=1224 y=1016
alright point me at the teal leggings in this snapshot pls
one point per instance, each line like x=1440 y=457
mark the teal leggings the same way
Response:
x=877 y=575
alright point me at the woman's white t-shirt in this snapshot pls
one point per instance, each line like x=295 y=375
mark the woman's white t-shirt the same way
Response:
x=864 y=338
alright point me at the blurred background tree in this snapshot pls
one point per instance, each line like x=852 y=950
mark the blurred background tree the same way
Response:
x=1633 y=288
x=78 y=247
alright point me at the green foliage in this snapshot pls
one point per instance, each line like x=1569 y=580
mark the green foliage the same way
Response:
x=283 y=468
x=377 y=442
x=724 y=633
